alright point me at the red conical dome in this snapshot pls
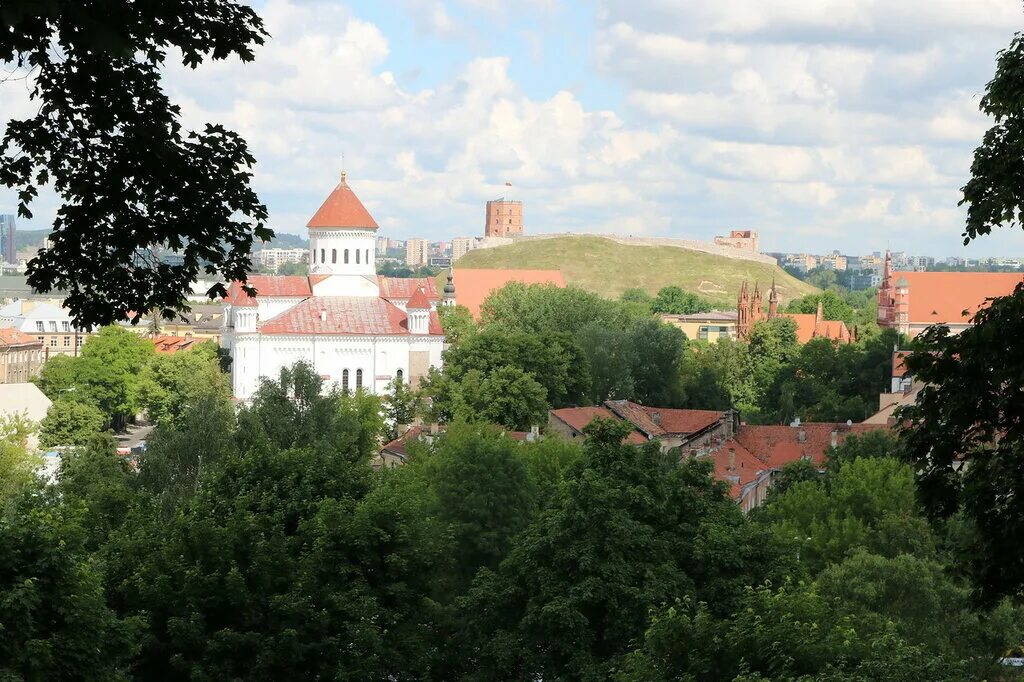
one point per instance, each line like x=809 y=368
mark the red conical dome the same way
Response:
x=342 y=209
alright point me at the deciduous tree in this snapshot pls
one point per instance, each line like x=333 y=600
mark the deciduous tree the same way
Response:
x=111 y=143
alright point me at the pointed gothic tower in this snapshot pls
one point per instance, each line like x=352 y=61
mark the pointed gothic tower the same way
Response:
x=886 y=299
x=743 y=312
x=342 y=246
x=773 y=302
x=756 y=312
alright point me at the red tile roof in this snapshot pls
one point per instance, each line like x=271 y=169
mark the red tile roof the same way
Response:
x=806 y=329
x=172 y=344
x=473 y=286
x=418 y=301
x=284 y=286
x=779 y=445
x=942 y=297
x=9 y=336
x=659 y=421
x=342 y=208
x=744 y=467
x=579 y=417
x=344 y=315
x=402 y=288
x=898 y=368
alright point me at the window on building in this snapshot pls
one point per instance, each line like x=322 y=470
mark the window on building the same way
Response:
x=398 y=376
x=334 y=256
x=67 y=342
x=314 y=256
x=65 y=327
x=323 y=255
x=344 y=380
x=39 y=327
x=78 y=340
x=367 y=261
x=53 y=326
x=703 y=332
x=53 y=341
x=41 y=339
x=359 y=379
x=357 y=256
x=346 y=256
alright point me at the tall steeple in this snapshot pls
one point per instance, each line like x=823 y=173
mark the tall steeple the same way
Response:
x=773 y=302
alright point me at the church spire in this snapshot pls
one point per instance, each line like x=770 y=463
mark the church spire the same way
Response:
x=449 y=287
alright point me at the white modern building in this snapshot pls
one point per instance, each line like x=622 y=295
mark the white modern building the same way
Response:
x=274 y=258
x=357 y=329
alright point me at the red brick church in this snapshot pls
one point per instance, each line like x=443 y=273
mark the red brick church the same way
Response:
x=750 y=310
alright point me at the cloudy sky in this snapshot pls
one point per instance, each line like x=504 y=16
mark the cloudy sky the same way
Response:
x=822 y=124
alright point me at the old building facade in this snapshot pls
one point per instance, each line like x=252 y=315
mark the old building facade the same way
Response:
x=356 y=329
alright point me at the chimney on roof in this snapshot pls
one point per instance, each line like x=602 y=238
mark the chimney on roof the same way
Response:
x=795 y=423
x=434 y=428
x=323 y=315
x=835 y=437
x=656 y=418
x=802 y=436
x=732 y=459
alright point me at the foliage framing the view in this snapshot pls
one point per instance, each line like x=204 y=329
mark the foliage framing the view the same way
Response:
x=130 y=179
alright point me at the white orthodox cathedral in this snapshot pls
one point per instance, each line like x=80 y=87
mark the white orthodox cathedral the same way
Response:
x=355 y=328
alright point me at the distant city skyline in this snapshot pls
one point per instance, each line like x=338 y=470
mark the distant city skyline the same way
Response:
x=820 y=124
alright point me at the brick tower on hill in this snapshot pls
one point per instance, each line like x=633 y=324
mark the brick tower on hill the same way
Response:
x=504 y=218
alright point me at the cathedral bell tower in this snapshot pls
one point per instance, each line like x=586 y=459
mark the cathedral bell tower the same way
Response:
x=343 y=245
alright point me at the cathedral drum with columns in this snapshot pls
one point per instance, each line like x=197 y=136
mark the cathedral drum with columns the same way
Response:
x=356 y=329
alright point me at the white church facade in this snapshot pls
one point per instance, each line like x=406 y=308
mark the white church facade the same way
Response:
x=356 y=329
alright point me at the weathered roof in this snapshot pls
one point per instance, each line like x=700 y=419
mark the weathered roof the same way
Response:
x=344 y=315
x=779 y=445
x=270 y=286
x=579 y=417
x=660 y=421
x=402 y=288
x=418 y=301
x=9 y=336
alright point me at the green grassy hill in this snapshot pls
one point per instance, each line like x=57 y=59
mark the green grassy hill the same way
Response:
x=609 y=268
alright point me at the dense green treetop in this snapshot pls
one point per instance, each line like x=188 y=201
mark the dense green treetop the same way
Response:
x=675 y=301
x=833 y=306
x=69 y=422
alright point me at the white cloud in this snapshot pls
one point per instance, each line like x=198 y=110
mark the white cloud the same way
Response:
x=847 y=120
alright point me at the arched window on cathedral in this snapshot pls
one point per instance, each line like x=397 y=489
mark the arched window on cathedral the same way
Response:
x=398 y=376
x=346 y=256
x=359 y=379
x=344 y=380
x=357 y=256
x=323 y=255
x=334 y=255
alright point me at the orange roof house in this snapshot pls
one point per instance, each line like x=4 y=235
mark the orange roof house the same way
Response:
x=474 y=285
x=910 y=302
